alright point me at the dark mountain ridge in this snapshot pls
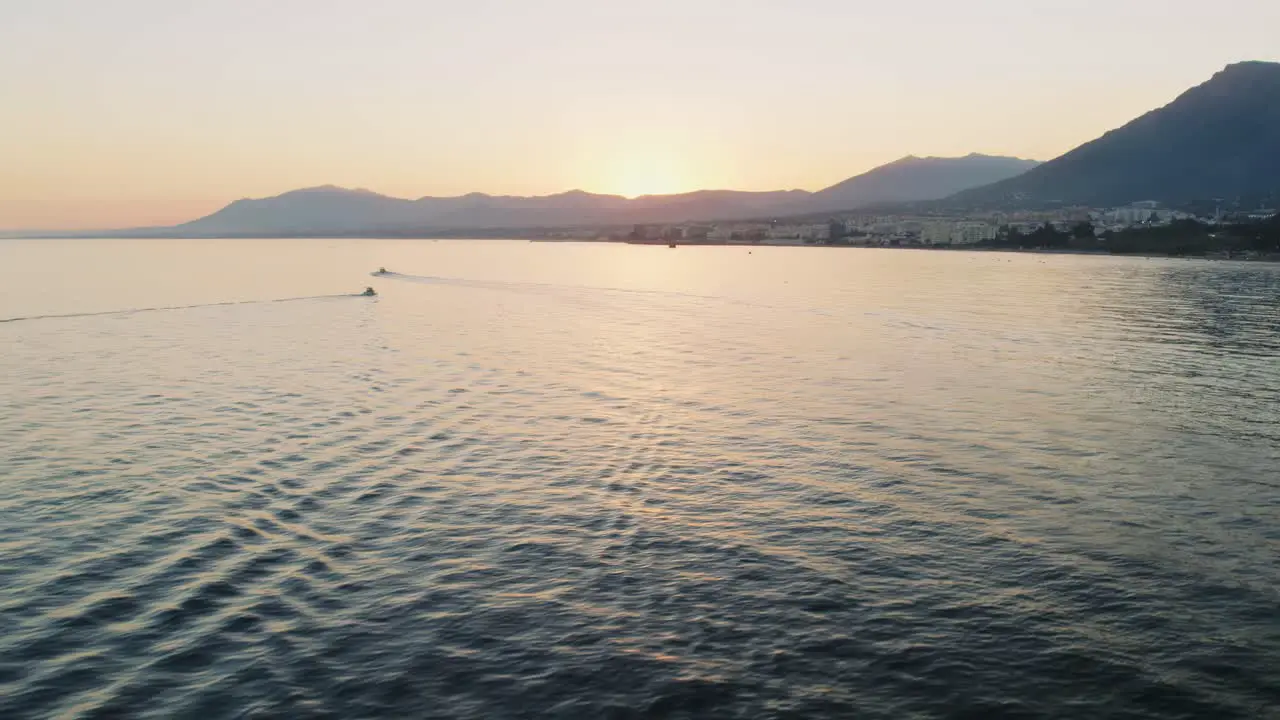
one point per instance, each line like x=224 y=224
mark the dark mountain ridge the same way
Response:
x=1220 y=139
x=332 y=210
x=913 y=179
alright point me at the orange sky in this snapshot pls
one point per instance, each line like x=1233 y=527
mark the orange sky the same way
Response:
x=142 y=112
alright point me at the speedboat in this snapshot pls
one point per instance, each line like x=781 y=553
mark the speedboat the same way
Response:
x=381 y=271
x=369 y=292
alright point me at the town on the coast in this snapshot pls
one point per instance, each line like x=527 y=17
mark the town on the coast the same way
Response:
x=1198 y=177
x=1131 y=228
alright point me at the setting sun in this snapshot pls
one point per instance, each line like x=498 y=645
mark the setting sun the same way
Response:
x=653 y=172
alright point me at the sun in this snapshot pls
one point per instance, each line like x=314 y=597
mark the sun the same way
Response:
x=648 y=173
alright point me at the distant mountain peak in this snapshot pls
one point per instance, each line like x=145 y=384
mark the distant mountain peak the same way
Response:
x=328 y=190
x=1250 y=67
x=913 y=179
x=321 y=188
x=916 y=159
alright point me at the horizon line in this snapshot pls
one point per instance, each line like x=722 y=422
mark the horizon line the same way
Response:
x=13 y=232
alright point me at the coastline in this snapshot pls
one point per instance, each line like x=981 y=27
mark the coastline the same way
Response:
x=1272 y=257
x=666 y=244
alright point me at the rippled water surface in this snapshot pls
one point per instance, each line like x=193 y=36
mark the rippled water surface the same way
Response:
x=576 y=481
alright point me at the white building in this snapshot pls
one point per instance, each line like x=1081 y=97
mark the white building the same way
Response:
x=938 y=233
x=799 y=232
x=721 y=233
x=968 y=233
x=957 y=233
x=1131 y=215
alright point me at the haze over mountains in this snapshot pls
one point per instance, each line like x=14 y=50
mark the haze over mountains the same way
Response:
x=329 y=209
x=1220 y=139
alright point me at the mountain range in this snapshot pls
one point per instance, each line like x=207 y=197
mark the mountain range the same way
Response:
x=1218 y=140
x=334 y=210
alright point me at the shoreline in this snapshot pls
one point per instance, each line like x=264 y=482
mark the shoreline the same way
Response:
x=1265 y=258
x=1275 y=257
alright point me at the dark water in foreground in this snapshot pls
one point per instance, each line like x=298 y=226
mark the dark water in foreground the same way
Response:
x=574 y=481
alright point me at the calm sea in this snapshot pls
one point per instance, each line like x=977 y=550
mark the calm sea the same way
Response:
x=602 y=481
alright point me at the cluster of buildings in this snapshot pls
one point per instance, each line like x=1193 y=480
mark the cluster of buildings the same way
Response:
x=1146 y=213
x=856 y=230
x=898 y=230
x=780 y=233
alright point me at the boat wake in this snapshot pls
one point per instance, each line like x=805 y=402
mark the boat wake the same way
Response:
x=554 y=288
x=131 y=311
x=533 y=286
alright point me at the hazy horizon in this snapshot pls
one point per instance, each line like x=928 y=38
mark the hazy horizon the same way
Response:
x=146 y=113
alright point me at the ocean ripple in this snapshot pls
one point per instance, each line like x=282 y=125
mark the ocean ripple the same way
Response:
x=1041 y=491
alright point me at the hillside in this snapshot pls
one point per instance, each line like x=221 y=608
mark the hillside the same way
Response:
x=1220 y=139
x=913 y=179
x=333 y=210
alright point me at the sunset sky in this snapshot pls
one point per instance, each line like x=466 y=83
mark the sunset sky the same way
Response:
x=140 y=112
